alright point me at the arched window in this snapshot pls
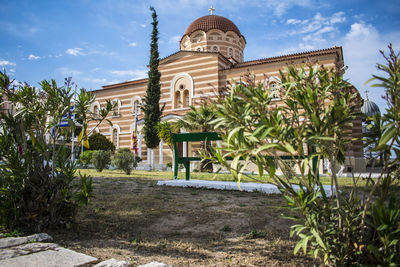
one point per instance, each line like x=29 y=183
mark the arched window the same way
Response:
x=199 y=49
x=177 y=100
x=136 y=107
x=273 y=86
x=186 y=100
x=215 y=48
x=136 y=102
x=96 y=111
x=116 y=106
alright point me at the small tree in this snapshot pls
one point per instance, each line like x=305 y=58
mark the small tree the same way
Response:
x=356 y=227
x=97 y=141
x=151 y=102
x=85 y=157
x=125 y=160
x=165 y=130
x=101 y=159
x=37 y=187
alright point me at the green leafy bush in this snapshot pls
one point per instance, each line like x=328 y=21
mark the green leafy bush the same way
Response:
x=101 y=159
x=97 y=141
x=38 y=185
x=125 y=160
x=85 y=157
x=359 y=226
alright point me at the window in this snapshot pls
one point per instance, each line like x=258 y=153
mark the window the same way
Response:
x=198 y=49
x=215 y=49
x=273 y=86
x=177 y=100
x=96 y=111
x=136 y=107
x=116 y=106
x=186 y=99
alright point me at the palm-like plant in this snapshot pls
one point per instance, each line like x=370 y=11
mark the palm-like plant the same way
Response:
x=200 y=119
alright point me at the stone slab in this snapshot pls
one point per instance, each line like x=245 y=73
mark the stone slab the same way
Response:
x=112 y=263
x=154 y=264
x=25 y=249
x=59 y=257
x=15 y=241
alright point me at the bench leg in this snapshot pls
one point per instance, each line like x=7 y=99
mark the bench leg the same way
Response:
x=187 y=167
x=176 y=169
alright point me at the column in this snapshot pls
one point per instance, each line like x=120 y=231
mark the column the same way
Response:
x=185 y=149
x=149 y=156
x=140 y=145
x=161 y=152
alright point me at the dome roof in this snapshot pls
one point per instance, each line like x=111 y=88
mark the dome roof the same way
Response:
x=369 y=108
x=211 y=22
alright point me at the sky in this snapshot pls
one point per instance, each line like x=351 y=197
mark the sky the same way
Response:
x=108 y=41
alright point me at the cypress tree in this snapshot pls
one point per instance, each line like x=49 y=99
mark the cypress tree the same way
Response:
x=151 y=106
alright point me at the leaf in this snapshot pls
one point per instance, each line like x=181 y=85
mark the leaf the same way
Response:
x=387 y=135
x=318 y=239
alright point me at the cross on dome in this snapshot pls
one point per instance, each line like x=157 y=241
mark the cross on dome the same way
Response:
x=366 y=94
x=211 y=9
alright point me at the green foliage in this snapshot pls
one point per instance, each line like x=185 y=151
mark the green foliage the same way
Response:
x=226 y=228
x=254 y=234
x=151 y=102
x=97 y=141
x=165 y=130
x=85 y=157
x=101 y=159
x=125 y=160
x=38 y=187
x=360 y=227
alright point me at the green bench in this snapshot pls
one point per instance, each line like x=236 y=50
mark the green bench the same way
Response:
x=205 y=136
x=189 y=137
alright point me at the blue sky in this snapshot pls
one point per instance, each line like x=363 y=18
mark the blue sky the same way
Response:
x=107 y=41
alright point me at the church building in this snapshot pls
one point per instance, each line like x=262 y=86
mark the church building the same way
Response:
x=211 y=55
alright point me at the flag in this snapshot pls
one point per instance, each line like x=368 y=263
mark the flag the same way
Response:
x=83 y=134
x=134 y=136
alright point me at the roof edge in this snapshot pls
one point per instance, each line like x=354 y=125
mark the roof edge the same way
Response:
x=330 y=50
x=110 y=86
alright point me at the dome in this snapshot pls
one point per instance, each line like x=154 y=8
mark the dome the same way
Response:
x=211 y=22
x=369 y=108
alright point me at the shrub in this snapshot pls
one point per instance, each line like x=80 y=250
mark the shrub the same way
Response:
x=359 y=226
x=85 y=157
x=38 y=188
x=125 y=160
x=97 y=141
x=101 y=159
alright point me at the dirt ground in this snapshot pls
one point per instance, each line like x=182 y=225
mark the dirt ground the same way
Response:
x=135 y=220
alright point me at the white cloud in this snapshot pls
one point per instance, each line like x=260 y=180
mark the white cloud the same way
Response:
x=361 y=47
x=133 y=44
x=317 y=23
x=338 y=17
x=280 y=7
x=6 y=63
x=33 y=57
x=143 y=25
x=293 y=21
x=74 y=51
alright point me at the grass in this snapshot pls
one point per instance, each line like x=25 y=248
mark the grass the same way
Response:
x=169 y=175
